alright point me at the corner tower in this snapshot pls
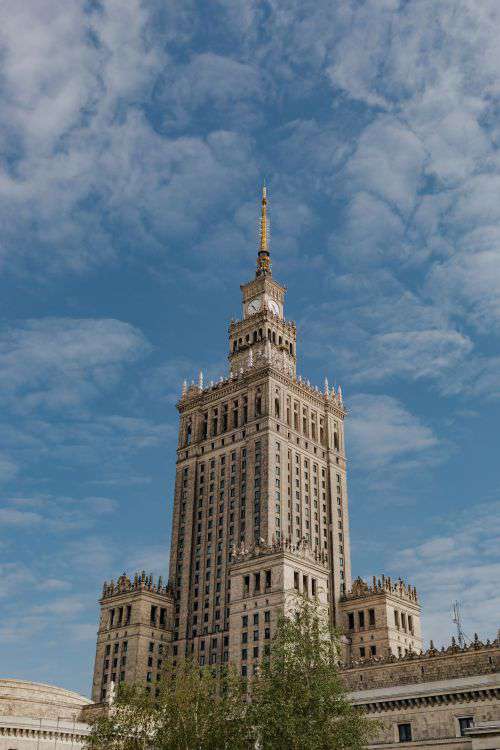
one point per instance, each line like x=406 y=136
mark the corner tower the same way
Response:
x=260 y=467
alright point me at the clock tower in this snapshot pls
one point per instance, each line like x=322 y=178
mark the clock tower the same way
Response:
x=263 y=334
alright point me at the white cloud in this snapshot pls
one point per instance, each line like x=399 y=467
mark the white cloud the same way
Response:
x=14 y=517
x=382 y=433
x=82 y=157
x=412 y=355
x=59 y=515
x=8 y=469
x=14 y=577
x=63 y=362
x=460 y=564
x=471 y=281
x=388 y=163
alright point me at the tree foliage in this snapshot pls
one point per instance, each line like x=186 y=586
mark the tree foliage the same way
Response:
x=298 y=699
x=195 y=710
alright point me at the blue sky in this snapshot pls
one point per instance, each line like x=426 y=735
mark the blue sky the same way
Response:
x=134 y=137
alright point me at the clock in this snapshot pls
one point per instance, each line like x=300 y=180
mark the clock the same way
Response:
x=274 y=307
x=254 y=306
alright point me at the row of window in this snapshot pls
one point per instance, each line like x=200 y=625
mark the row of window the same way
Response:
x=228 y=416
x=312 y=591
x=363 y=620
x=405 y=733
x=259 y=335
x=120 y=616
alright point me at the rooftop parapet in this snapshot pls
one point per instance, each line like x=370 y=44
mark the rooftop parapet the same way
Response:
x=361 y=590
x=194 y=390
x=475 y=645
x=261 y=549
x=140 y=582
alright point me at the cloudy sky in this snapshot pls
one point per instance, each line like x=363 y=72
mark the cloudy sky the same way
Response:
x=134 y=137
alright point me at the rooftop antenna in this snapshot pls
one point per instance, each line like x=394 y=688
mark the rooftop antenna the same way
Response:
x=457 y=621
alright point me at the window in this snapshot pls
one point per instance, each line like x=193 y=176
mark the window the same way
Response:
x=350 y=618
x=464 y=723
x=404 y=731
x=371 y=618
x=361 y=618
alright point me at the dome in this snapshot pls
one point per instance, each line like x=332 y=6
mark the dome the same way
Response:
x=39 y=701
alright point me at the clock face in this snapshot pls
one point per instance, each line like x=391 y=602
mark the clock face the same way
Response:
x=273 y=306
x=254 y=306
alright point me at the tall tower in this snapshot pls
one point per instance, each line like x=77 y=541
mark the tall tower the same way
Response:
x=260 y=472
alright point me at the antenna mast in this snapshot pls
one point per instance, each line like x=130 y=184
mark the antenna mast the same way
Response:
x=457 y=621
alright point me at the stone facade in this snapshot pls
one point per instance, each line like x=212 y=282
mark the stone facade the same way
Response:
x=264 y=583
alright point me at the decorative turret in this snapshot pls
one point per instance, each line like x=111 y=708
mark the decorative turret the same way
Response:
x=135 y=630
x=381 y=618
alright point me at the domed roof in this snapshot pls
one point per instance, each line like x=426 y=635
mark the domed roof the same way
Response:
x=39 y=701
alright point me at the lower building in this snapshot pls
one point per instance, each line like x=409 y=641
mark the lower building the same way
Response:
x=447 y=698
x=34 y=716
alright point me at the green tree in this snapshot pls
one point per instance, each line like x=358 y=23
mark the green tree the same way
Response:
x=195 y=710
x=298 y=699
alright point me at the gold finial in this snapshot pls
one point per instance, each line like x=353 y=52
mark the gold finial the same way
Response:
x=263 y=259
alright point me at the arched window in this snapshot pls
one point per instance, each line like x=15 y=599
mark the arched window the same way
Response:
x=274 y=337
x=255 y=336
x=291 y=348
x=188 y=433
x=277 y=408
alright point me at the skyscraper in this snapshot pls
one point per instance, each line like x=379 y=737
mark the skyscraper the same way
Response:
x=260 y=466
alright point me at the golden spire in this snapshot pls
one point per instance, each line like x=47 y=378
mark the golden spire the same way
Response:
x=263 y=220
x=263 y=258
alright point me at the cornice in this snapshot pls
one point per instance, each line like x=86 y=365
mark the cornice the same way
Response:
x=196 y=398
